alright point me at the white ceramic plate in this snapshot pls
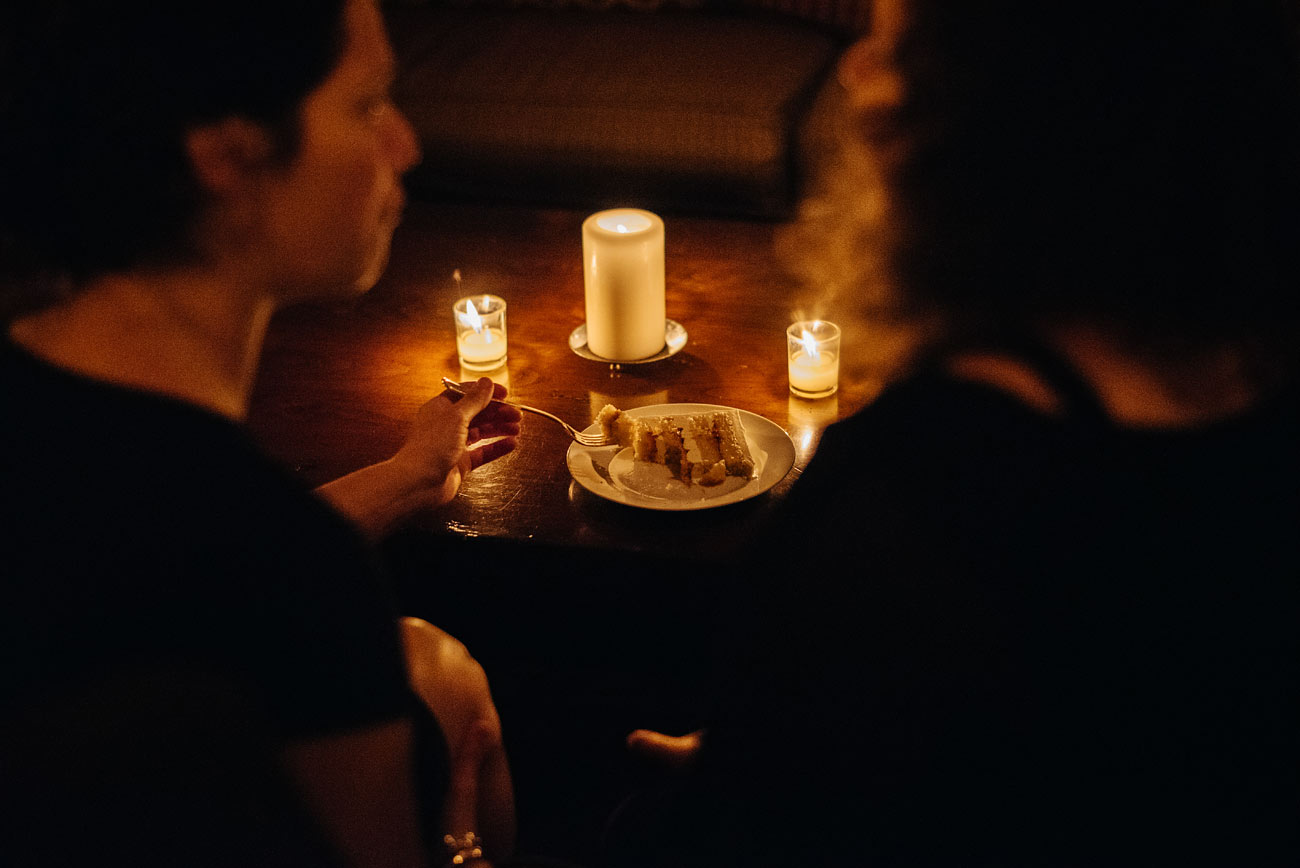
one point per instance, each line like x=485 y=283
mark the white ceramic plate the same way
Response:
x=610 y=472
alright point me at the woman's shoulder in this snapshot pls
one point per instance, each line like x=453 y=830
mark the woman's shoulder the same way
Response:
x=98 y=462
x=930 y=415
x=963 y=454
x=1079 y=390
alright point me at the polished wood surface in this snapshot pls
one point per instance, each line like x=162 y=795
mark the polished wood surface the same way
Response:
x=340 y=383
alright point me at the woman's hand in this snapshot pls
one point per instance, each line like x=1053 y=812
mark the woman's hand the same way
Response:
x=436 y=452
x=428 y=469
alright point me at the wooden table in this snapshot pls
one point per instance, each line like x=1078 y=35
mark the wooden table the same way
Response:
x=591 y=617
x=339 y=384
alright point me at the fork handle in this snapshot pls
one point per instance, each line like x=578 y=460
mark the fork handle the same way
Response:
x=453 y=386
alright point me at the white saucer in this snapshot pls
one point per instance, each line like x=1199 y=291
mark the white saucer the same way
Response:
x=674 y=340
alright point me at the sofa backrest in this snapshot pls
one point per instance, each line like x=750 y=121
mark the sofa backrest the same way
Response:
x=847 y=18
x=850 y=18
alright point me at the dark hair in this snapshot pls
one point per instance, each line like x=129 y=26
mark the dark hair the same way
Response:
x=96 y=97
x=1135 y=163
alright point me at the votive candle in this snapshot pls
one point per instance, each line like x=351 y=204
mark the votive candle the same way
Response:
x=480 y=332
x=813 y=354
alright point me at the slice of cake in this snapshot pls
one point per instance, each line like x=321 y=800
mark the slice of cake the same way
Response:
x=703 y=448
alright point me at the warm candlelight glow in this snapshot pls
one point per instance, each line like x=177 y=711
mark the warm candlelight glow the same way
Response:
x=624 y=221
x=813 y=352
x=623 y=274
x=481 y=332
x=470 y=317
x=810 y=346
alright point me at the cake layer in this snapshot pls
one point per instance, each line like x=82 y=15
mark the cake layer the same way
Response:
x=703 y=448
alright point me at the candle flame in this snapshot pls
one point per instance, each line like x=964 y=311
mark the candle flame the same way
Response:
x=810 y=346
x=470 y=317
x=621 y=228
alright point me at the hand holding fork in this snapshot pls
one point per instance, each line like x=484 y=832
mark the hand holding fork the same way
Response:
x=597 y=439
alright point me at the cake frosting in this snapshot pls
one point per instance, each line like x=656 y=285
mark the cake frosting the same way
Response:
x=701 y=448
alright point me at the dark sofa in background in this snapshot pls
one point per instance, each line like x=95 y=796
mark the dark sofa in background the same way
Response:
x=681 y=106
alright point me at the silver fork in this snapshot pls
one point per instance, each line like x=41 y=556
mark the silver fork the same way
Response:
x=584 y=439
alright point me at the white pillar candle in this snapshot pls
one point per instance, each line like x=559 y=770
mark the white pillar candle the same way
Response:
x=480 y=332
x=813 y=353
x=623 y=269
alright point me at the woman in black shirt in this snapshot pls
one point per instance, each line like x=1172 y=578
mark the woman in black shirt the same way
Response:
x=173 y=176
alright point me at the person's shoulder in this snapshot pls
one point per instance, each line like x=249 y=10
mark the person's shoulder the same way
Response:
x=931 y=458
x=49 y=407
x=935 y=418
x=144 y=472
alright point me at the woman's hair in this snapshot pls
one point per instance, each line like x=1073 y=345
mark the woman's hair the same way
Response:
x=1012 y=163
x=95 y=100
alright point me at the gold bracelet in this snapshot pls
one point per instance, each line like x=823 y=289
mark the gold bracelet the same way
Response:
x=464 y=848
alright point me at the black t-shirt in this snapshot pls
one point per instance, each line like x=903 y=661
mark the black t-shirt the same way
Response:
x=174 y=608
x=986 y=636
x=139 y=529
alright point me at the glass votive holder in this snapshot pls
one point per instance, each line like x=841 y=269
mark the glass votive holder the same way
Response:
x=813 y=351
x=480 y=332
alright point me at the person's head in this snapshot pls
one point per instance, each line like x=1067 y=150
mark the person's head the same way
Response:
x=138 y=135
x=1135 y=164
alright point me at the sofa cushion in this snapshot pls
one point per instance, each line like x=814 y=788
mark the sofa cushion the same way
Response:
x=677 y=110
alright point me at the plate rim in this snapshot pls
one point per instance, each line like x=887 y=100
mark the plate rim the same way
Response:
x=608 y=492
x=675 y=337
